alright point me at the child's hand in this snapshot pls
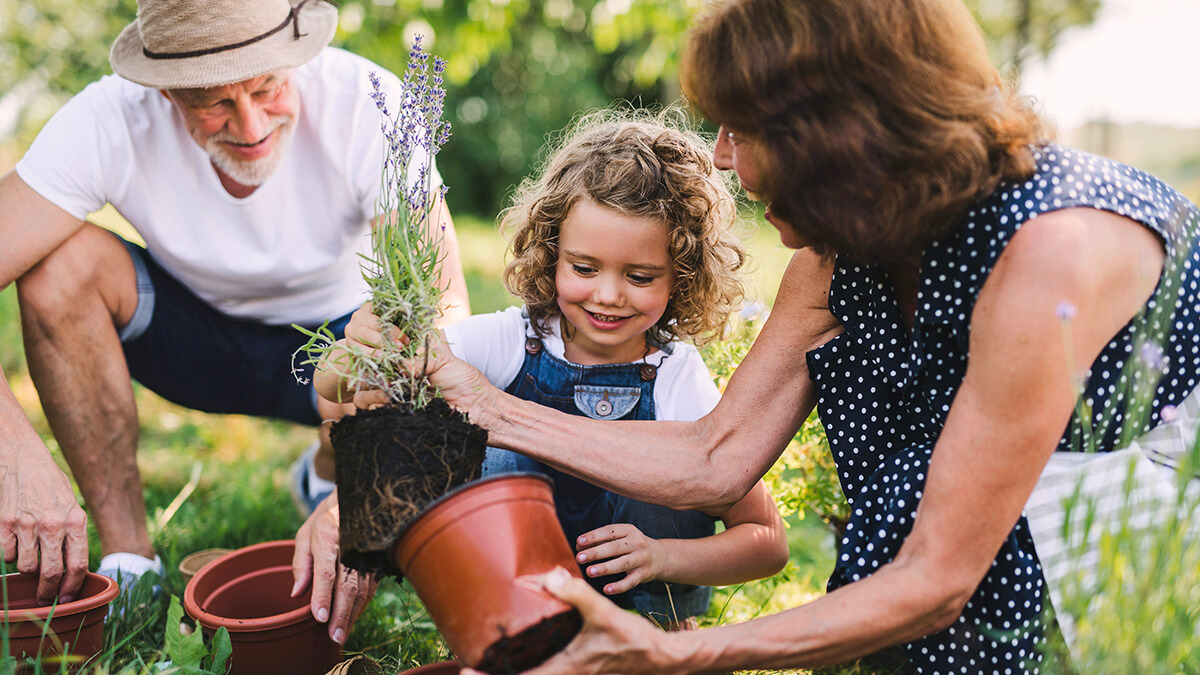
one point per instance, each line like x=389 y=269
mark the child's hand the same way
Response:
x=624 y=548
x=362 y=331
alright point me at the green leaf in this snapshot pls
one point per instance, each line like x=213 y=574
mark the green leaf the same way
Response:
x=222 y=649
x=185 y=651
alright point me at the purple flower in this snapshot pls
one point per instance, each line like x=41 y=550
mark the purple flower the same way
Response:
x=377 y=94
x=1065 y=311
x=752 y=310
x=418 y=124
x=1153 y=356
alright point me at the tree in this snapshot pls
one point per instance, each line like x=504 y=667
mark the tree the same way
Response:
x=1017 y=29
x=518 y=69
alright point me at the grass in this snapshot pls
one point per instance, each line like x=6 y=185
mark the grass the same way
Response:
x=238 y=468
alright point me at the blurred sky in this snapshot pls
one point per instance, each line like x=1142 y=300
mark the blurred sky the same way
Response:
x=1137 y=63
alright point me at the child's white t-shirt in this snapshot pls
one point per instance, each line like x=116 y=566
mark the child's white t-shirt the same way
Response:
x=495 y=344
x=288 y=253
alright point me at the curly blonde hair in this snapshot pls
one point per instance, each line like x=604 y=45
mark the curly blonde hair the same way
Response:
x=642 y=164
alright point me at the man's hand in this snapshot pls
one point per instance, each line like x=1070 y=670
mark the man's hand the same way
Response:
x=39 y=517
x=316 y=562
x=623 y=548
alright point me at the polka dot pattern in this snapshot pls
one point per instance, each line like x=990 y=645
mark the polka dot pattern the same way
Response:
x=885 y=391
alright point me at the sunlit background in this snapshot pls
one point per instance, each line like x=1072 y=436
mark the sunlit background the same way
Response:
x=1116 y=75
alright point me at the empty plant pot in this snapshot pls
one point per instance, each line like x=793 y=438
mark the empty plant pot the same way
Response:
x=462 y=555
x=192 y=564
x=248 y=592
x=71 y=631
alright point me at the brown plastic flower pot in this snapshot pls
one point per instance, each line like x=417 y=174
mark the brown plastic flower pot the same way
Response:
x=192 y=564
x=71 y=631
x=462 y=555
x=248 y=592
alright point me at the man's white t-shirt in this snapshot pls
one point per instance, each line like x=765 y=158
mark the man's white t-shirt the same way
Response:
x=288 y=253
x=495 y=344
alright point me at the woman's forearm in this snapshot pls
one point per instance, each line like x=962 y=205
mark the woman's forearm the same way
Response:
x=705 y=465
x=616 y=456
x=897 y=604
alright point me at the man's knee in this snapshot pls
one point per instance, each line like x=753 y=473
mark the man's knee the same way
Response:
x=90 y=265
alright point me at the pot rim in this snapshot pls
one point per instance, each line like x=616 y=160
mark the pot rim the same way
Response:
x=431 y=506
x=77 y=606
x=210 y=620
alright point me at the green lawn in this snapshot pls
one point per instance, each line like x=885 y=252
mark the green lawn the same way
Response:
x=232 y=474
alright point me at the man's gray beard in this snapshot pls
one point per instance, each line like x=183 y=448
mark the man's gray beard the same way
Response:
x=255 y=172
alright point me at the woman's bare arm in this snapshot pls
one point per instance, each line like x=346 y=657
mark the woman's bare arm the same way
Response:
x=705 y=465
x=1010 y=411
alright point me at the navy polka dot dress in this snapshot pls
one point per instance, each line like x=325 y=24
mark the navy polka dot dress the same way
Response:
x=885 y=392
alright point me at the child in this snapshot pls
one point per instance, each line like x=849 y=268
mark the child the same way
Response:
x=622 y=248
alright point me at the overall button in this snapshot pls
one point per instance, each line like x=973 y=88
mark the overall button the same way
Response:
x=603 y=408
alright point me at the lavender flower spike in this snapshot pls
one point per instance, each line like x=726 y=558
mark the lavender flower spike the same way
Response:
x=403 y=270
x=1153 y=356
x=1065 y=311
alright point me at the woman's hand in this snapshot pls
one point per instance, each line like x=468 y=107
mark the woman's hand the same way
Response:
x=611 y=640
x=624 y=548
x=461 y=384
x=316 y=562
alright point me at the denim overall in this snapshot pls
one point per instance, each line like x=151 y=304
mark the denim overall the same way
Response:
x=622 y=391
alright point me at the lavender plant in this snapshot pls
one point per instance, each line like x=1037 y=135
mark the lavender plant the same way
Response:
x=1132 y=587
x=403 y=270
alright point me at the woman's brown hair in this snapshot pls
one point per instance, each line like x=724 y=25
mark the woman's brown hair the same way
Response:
x=876 y=123
x=641 y=164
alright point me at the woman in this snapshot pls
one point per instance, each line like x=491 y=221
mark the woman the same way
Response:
x=942 y=248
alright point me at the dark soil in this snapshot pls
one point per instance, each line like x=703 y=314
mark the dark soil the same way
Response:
x=532 y=646
x=391 y=463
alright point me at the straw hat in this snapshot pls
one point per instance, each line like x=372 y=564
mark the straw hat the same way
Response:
x=177 y=44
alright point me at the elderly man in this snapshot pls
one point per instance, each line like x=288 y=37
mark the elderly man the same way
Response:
x=247 y=154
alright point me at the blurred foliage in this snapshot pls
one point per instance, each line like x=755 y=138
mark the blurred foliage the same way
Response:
x=50 y=50
x=804 y=479
x=518 y=69
x=1146 y=576
x=1018 y=29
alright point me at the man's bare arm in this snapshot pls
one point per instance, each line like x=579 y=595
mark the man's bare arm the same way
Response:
x=42 y=527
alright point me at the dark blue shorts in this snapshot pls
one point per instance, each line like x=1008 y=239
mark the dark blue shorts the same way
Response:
x=184 y=350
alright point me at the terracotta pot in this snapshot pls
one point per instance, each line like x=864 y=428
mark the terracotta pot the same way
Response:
x=462 y=555
x=444 y=668
x=248 y=592
x=76 y=629
x=191 y=565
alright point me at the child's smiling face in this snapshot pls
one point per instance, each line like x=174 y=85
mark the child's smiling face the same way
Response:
x=614 y=278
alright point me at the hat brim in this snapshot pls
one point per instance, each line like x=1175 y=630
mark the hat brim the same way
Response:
x=317 y=21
